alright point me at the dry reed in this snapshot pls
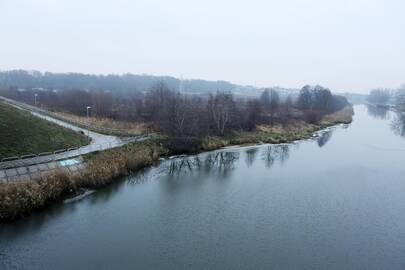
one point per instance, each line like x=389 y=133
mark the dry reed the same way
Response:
x=21 y=198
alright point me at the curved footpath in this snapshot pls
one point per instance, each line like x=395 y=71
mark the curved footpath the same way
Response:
x=29 y=168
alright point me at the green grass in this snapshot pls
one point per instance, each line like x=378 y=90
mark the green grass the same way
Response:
x=22 y=133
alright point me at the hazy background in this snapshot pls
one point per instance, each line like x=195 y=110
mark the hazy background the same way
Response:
x=347 y=45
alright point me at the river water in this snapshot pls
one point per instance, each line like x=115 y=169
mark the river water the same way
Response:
x=334 y=202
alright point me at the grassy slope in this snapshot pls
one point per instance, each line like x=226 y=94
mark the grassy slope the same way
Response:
x=22 y=133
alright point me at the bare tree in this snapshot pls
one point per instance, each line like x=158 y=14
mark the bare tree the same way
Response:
x=270 y=101
x=400 y=99
x=304 y=98
x=321 y=99
x=379 y=96
x=274 y=104
x=221 y=108
x=265 y=100
x=286 y=110
x=253 y=111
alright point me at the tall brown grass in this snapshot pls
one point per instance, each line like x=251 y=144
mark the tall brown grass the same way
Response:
x=343 y=116
x=20 y=198
x=134 y=128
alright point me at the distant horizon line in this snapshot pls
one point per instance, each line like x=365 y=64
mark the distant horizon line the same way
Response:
x=181 y=78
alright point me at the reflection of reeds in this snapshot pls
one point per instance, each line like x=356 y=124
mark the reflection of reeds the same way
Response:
x=19 y=198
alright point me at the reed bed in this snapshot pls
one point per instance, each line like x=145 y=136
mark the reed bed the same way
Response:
x=18 y=199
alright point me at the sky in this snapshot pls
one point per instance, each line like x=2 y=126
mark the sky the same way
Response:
x=346 y=45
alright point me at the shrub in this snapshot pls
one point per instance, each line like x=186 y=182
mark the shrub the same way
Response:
x=182 y=145
x=312 y=117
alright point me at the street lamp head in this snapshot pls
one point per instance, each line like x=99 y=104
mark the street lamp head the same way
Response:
x=88 y=107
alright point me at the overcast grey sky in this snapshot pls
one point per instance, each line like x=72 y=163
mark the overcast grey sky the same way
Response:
x=351 y=45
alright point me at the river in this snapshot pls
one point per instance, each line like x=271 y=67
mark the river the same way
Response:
x=333 y=202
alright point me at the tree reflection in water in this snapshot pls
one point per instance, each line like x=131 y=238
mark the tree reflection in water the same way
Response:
x=275 y=152
x=398 y=124
x=378 y=112
x=384 y=112
x=217 y=162
x=324 y=138
x=223 y=163
x=251 y=156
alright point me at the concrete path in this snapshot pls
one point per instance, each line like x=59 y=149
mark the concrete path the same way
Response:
x=69 y=154
x=35 y=172
x=99 y=142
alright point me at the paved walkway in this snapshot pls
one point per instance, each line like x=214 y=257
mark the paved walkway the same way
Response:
x=70 y=154
x=35 y=172
x=11 y=170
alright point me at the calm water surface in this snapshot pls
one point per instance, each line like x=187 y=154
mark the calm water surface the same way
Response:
x=335 y=202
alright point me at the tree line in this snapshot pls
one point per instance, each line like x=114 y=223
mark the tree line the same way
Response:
x=400 y=99
x=183 y=115
x=379 y=96
x=125 y=83
x=385 y=97
x=389 y=100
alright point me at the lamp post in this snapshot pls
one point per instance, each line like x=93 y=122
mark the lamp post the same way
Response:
x=35 y=99
x=88 y=130
x=87 y=111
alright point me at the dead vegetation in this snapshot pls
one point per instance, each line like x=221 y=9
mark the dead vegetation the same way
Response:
x=344 y=116
x=131 y=128
x=20 y=198
x=278 y=133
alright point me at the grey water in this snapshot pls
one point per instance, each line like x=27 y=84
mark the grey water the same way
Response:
x=333 y=202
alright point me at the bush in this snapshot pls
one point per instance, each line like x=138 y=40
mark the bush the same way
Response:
x=312 y=117
x=182 y=145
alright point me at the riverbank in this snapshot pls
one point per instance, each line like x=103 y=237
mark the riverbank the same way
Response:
x=275 y=134
x=18 y=199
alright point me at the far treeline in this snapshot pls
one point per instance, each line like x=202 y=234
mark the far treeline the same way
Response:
x=191 y=117
x=385 y=97
x=382 y=100
x=121 y=84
